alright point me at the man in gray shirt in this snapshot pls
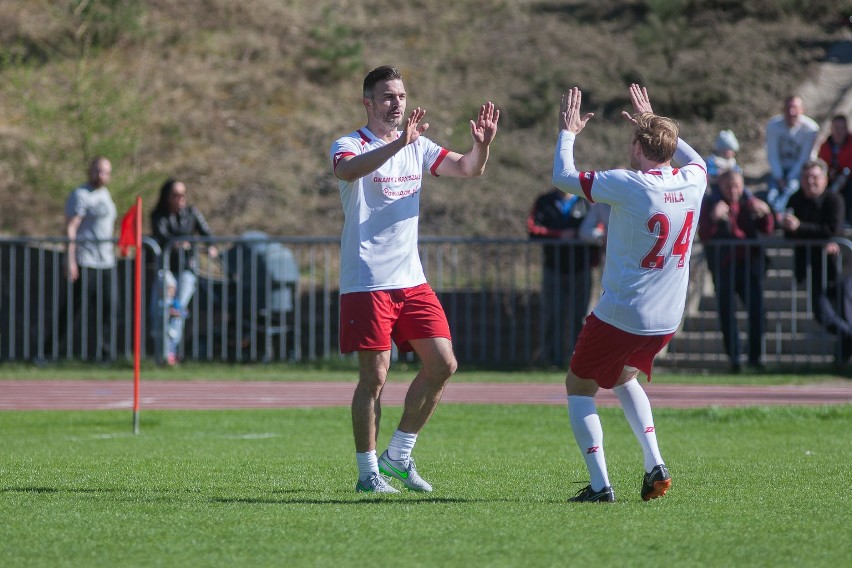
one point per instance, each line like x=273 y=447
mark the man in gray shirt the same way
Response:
x=90 y=263
x=790 y=140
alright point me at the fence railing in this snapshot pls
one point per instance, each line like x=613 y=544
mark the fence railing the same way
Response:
x=276 y=299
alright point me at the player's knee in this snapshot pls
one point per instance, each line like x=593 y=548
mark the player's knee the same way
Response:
x=452 y=367
x=368 y=391
x=444 y=367
x=576 y=386
x=371 y=383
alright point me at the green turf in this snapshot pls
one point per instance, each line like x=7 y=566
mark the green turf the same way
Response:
x=757 y=486
x=346 y=370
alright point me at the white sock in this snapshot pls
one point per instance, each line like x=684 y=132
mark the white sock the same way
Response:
x=401 y=445
x=586 y=425
x=368 y=464
x=637 y=410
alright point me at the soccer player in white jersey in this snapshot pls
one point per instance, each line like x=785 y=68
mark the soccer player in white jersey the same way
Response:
x=654 y=210
x=384 y=295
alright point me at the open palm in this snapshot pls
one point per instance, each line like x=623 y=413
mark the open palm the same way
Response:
x=641 y=102
x=570 y=118
x=413 y=127
x=485 y=128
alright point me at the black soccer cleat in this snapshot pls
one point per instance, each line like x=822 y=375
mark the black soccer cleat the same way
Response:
x=656 y=483
x=589 y=495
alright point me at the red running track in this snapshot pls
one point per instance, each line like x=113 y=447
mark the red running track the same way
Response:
x=211 y=395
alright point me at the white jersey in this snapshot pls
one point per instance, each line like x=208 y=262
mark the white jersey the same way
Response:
x=652 y=225
x=378 y=247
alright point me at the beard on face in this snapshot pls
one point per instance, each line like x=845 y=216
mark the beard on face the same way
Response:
x=385 y=115
x=390 y=120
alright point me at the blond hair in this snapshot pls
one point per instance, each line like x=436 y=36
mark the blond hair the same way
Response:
x=657 y=136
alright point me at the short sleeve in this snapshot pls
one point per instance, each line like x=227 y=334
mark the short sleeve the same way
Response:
x=75 y=206
x=604 y=186
x=433 y=154
x=343 y=147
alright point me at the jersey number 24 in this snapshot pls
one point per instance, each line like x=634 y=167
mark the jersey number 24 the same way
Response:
x=659 y=225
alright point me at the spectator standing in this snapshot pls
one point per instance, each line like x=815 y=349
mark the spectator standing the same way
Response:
x=836 y=151
x=816 y=215
x=737 y=270
x=90 y=260
x=384 y=295
x=790 y=140
x=555 y=219
x=723 y=158
x=171 y=219
x=649 y=243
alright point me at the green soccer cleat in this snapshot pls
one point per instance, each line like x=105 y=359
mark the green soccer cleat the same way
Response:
x=407 y=473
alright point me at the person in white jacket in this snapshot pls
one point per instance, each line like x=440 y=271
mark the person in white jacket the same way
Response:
x=790 y=140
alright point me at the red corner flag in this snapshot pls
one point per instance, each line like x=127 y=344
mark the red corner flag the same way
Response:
x=127 y=236
x=131 y=236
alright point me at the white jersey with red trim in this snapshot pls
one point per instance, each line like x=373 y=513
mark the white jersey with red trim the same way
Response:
x=652 y=224
x=378 y=247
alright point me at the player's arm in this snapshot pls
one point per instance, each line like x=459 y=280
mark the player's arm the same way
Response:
x=571 y=122
x=472 y=164
x=686 y=155
x=351 y=167
x=565 y=174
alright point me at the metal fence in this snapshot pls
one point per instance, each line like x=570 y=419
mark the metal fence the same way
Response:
x=275 y=299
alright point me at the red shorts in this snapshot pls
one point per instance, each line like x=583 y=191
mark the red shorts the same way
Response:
x=370 y=320
x=603 y=350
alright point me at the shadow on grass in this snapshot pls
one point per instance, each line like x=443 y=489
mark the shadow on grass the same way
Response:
x=407 y=499
x=28 y=489
x=392 y=499
x=122 y=494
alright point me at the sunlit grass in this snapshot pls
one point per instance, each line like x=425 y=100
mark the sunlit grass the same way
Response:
x=757 y=486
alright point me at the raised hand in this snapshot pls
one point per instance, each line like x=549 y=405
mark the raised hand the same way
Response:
x=485 y=128
x=640 y=100
x=569 y=112
x=412 y=128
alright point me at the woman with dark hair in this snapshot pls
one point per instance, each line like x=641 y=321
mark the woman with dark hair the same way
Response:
x=171 y=219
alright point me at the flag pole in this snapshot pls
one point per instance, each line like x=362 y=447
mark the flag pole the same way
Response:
x=137 y=311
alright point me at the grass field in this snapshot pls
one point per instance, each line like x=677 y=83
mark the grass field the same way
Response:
x=758 y=486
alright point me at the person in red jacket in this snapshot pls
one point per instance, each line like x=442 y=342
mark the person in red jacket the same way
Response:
x=836 y=151
x=737 y=270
